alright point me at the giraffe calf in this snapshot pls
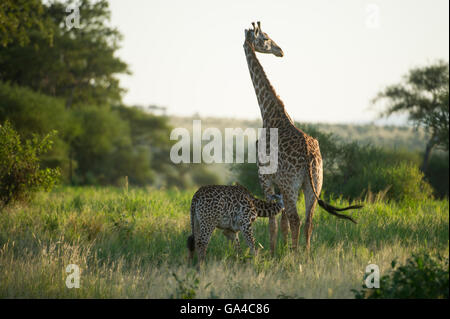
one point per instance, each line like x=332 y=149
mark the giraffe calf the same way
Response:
x=230 y=208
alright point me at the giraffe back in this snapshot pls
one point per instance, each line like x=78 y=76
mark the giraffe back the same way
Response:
x=230 y=207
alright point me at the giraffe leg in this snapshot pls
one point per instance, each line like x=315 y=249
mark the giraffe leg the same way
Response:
x=311 y=200
x=284 y=223
x=290 y=196
x=273 y=231
x=267 y=187
x=294 y=221
x=233 y=237
x=310 y=205
x=202 y=241
x=247 y=232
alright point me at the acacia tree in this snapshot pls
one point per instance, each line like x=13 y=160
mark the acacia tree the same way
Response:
x=424 y=96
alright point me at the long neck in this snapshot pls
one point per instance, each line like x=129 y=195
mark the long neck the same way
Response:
x=267 y=209
x=272 y=108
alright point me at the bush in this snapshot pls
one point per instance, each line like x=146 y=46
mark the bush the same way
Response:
x=247 y=175
x=399 y=182
x=20 y=173
x=423 y=277
x=35 y=113
x=352 y=170
x=99 y=144
x=437 y=173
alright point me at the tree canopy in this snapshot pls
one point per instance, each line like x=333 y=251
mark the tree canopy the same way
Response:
x=68 y=82
x=18 y=17
x=423 y=95
x=80 y=65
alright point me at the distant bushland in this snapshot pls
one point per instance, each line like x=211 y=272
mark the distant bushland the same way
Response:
x=355 y=170
x=100 y=145
x=392 y=137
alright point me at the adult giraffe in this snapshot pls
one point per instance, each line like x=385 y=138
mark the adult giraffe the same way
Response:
x=299 y=158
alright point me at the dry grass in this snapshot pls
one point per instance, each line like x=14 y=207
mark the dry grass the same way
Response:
x=129 y=245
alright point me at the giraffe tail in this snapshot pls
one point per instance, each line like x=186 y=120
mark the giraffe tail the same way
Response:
x=334 y=210
x=330 y=208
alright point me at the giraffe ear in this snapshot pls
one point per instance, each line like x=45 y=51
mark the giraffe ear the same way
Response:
x=247 y=34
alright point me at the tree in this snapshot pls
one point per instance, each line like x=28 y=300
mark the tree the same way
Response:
x=17 y=17
x=80 y=66
x=35 y=113
x=71 y=86
x=424 y=96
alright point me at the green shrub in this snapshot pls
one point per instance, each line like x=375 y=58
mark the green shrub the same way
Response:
x=247 y=174
x=352 y=170
x=437 y=173
x=35 y=113
x=20 y=172
x=422 y=277
x=187 y=287
x=403 y=181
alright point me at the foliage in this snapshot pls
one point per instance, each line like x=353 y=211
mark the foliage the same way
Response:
x=80 y=66
x=424 y=96
x=437 y=173
x=353 y=171
x=104 y=143
x=35 y=113
x=186 y=288
x=18 y=17
x=390 y=137
x=402 y=181
x=20 y=172
x=424 y=276
x=103 y=140
x=247 y=174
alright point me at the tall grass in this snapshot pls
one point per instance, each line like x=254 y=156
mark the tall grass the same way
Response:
x=131 y=243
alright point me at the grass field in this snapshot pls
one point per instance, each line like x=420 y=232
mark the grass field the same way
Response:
x=129 y=244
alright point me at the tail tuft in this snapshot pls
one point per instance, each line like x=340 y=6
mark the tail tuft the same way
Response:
x=334 y=210
x=191 y=243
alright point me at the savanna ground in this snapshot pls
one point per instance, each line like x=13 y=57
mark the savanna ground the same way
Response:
x=130 y=243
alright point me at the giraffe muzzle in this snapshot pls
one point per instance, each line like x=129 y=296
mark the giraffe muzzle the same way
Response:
x=279 y=53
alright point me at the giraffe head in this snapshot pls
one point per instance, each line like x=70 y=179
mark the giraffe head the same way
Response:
x=277 y=199
x=261 y=41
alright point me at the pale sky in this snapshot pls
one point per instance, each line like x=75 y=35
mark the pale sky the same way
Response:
x=188 y=55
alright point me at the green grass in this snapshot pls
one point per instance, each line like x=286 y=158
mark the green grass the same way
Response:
x=129 y=245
